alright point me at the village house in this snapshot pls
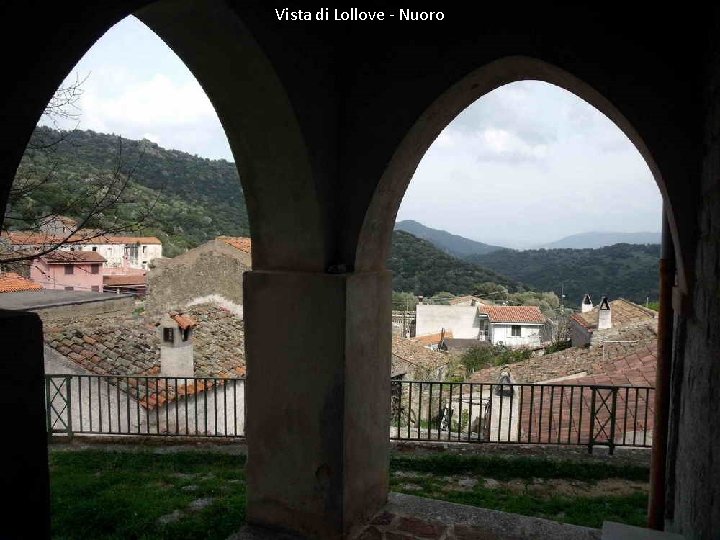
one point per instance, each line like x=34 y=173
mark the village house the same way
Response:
x=595 y=324
x=69 y=271
x=512 y=326
x=121 y=253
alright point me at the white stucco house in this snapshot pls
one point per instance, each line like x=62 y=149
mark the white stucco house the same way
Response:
x=120 y=252
x=512 y=326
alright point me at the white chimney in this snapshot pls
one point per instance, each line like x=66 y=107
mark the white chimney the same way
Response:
x=604 y=315
x=587 y=304
x=176 y=348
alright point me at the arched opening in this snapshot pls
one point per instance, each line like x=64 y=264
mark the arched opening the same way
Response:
x=401 y=169
x=272 y=161
x=374 y=242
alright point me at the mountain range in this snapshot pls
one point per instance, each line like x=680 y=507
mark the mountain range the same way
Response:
x=602 y=239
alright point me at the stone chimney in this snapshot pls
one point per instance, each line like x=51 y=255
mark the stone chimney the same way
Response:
x=587 y=304
x=176 y=348
x=604 y=315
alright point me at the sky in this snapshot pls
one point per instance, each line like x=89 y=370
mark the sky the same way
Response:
x=526 y=164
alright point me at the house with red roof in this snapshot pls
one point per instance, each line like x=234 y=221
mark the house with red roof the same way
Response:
x=512 y=326
x=69 y=270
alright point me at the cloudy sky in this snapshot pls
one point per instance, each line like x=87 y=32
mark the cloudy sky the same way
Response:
x=524 y=165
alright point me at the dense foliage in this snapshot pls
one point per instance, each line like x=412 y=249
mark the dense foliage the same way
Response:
x=422 y=268
x=477 y=358
x=455 y=245
x=622 y=270
x=192 y=199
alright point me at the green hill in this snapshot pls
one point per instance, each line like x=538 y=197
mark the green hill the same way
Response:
x=193 y=199
x=621 y=270
x=423 y=269
x=454 y=244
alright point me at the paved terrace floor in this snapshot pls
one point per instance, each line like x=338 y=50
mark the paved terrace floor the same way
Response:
x=410 y=517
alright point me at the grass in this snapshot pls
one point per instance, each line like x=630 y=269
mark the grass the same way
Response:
x=527 y=486
x=97 y=494
x=102 y=494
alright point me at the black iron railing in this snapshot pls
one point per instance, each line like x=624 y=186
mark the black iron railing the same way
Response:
x=563 y=414
x=139 y=405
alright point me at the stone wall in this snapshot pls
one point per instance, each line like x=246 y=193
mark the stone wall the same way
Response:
x=212 y=269
x=693 y=506
x=123 y=304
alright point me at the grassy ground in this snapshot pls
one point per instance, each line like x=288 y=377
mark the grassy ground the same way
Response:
x=581 y=493
x=97 y=494
x=101 y=494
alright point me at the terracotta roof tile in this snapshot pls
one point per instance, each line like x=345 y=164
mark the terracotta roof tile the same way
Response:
x=183 y=321
x=238 y=242
x=73 y=257
x=623 y=312
x=513 y=314
x=129 y=346
x=118 y=280
x=85 y=236
x=12 y=282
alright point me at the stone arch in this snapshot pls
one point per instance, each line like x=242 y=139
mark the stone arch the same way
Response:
x=376 y=233
x=253 y=107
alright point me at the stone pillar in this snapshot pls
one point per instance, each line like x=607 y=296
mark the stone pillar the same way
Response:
x=24 y=480
x=318 y=399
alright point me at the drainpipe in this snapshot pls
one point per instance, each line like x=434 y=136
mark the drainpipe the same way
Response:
x=656 y=503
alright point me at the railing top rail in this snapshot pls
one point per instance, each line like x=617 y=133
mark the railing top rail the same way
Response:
x=556 y=384
x=113 y=376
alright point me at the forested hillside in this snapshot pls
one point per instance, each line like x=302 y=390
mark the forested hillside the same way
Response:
x=622 y=270
x=191 y=199
x=421 y=268
x=454 y=244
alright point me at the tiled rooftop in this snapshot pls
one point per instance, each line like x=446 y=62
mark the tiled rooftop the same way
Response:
x=130 y=346
x=432 y=339
x=623 y=312
x=642 y=340
x=70 y=257
x=513 y=314
x=238 y=242
x=86 y=236
x=414 y=359
x=12 y=282
x=118 y=280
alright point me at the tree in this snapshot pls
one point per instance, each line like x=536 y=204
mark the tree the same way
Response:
x=404 y=301
x=490 y=291
x=39 y=197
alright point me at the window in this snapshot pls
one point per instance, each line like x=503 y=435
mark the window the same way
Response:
x=168 y=335
x=69 y=288
x=95 y=288
x=69 y=269
x=515 y=330
x=95 y=269
x=94 y=248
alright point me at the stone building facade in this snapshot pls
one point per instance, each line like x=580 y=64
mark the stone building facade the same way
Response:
x=210 y=272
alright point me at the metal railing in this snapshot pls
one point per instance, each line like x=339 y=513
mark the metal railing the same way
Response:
x=139 y=405
x=562 y=414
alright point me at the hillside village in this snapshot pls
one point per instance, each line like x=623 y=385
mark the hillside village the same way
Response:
x=113 y=306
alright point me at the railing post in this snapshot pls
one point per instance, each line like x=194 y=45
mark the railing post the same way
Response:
x=68 y=401
x=48 y=404
x=612 y=419
x=591 y=438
